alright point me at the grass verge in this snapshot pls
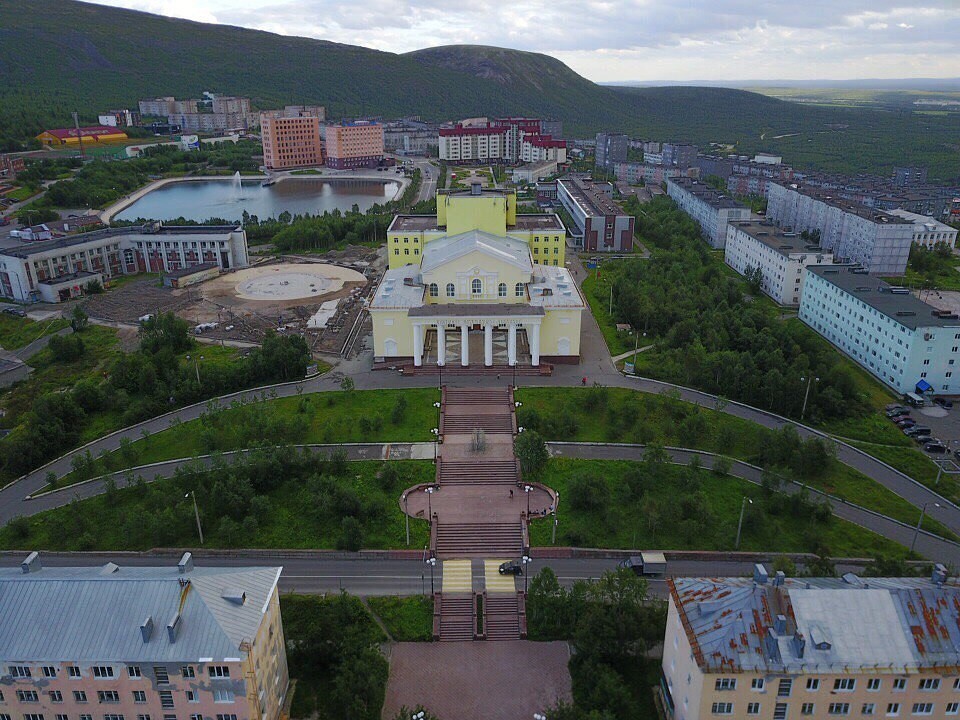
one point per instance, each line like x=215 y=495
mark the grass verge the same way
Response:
x=407 y=619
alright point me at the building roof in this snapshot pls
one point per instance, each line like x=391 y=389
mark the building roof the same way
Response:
x=825 y=196
x=785 y=243
x=896 y=303
x=931 y=224
x=819 y=625
x=544 y=141
x=703 y=192
x=593 y=202
x=191 y=270
x=545 y=222
x=95 y=614
x=150 y=231
x=413 y=223
x=445 y=250
x=78 y=276
x=91 y=131
x=554 y=287
x=400 y=288
x=459 y=130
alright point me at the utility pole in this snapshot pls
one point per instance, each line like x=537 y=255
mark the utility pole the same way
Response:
x=76 y=125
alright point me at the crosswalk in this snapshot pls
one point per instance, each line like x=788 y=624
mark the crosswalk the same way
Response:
x=457 y=576
x=494 y=581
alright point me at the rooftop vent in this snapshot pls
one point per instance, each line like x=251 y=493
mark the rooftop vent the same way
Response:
x=900 y=290
x=31 y=564
x=799 y=644
x=780 y=624
x=820 y=637
x=109 y=569
x=760 y=574
x=708 y=607
x=779 y=579
x=173 y=627
x=237 y=597
x=852 y=579
x=939 y=574
x=905 y=313
x=186 y=563
x=146 y=628
x=476 y=188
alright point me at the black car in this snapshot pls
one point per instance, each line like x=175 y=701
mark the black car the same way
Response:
x=923 y=439
x=905 y=422
x=917 y=430
x=935 y=447
x=511 y=567
x=14 y=310
x=943 y=402
x=898 y=412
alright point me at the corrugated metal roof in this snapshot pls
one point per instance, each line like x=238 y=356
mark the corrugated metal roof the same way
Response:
x=85 y=614
x=894 y=624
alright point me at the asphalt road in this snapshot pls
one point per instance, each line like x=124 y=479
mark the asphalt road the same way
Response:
x=428 y=179
x=312 y=573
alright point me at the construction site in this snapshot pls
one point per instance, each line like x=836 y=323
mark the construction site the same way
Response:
x=321 y=297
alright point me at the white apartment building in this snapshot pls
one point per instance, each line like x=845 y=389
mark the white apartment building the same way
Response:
x=817 y=648
x=897 y=338
x=473 y=144
x=58 y=269
x=927 y=231
x=711 y=209
x=876 y=239
x=782 y=258
x=542 y=148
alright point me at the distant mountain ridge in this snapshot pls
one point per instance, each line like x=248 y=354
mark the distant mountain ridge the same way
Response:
x=916 y=84
x=63 y=55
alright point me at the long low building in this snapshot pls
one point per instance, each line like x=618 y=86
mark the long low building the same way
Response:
x=163 y=643
x=599 y=224
x=781 y=258
x=56 y=270
x=783 y=648
x=903 y=342
x=712 y=210
x=927 y=231
x=877 y=240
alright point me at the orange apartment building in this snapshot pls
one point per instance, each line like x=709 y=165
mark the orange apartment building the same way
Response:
x=354 y=145
x=291 y=137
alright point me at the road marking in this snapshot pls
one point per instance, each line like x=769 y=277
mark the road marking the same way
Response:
x=495 y=582
x=457 y=576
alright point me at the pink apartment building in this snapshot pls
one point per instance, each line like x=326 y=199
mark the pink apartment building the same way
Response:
x=291 y=137
x=354 y=145
x=141 y=643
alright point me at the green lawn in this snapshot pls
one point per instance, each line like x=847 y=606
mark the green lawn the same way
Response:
x=620 y=504
x=623 y=415
x=21 y=194
x=17 y=332
x=407 y=619
x=299 y=508
x=915 y=463
x=334 y=417
x=597 y=293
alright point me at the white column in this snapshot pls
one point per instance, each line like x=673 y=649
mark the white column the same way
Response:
x=464 y=345
x=534 y=332
x=417 y=345
x=488 y=344
x=512 y=344
x=441 y=344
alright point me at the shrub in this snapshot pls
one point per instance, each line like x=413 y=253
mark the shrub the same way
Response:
x=66 y=348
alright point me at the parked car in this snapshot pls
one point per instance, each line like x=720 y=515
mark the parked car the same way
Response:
x=14 y=310
x=935 y=447
x=943 y=402
x=922 y=439
x=905 y=422
x=917 y=430
x=898 y=412
x=893 y=406
x=511 y=567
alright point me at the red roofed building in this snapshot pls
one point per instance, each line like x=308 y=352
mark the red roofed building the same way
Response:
x=69 y=136
x=542 y=148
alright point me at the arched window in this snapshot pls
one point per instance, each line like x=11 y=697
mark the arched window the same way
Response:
x=450 y=290
x=518 y=290
x=502 y=290
x=476 y=287
x=434 y=290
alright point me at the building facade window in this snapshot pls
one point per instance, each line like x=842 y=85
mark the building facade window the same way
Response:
x=476 y=286
x=451 y=290
x=502 y=290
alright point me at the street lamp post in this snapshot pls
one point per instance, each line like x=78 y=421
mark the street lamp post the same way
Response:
x=196 y=368
x=430 y=491
x=437 y=406
x=436 y=434
x=406 y=517
x=919 y=523
x=432 y=563
x=196 y=513
x=806 y=394
x=525 y=561
x=743 y=507
x=528 y=489
x=556 y=508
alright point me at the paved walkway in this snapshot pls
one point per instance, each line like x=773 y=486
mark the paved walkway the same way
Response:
x=476 y=680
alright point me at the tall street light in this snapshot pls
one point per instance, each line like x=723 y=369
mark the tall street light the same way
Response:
x=432 y=562
x=525 y=562
x=430 y=491
x=920 y=522
x=196 y=368
x=743 y=507
x=196 y=513
x=528 y=489
x=806 y=394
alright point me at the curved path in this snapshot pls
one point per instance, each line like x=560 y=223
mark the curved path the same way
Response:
x=927 y=544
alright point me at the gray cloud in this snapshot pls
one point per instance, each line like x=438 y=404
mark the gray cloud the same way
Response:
x=633 y=39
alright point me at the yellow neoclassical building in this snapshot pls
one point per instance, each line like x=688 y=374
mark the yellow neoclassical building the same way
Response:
x=476 y=284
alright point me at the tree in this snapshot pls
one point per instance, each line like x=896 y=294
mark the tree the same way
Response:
x=66 y=348
x=351 y=536
x=166 y=332
x=78 y=319
x=531 y=451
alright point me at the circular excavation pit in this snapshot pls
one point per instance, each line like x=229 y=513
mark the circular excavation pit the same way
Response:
x=291 y=281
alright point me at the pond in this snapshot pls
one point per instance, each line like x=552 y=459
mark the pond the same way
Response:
x=203 y=199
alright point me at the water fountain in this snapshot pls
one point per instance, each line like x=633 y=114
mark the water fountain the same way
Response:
x=237 y=185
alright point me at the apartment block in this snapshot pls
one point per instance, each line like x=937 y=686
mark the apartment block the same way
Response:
x=542 y=148
x=635 y=173
x=611 y=148
x=711 y=209
x=164 y=106
x=354 y=145
x=784 y=648
x=502 y=140
x=903 y=342
x=138 y=643
x=781 y=257
x=599 y=224
x=473 y=144
x=291 y=137
x=927 y=231
x=679 y=155
x=875 y=239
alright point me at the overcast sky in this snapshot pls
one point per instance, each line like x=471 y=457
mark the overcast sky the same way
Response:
x=608 y=40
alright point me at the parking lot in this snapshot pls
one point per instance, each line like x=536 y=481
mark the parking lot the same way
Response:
x=944 y=425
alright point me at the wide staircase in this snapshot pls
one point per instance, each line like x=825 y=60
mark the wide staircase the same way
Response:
x=457 y=617
x=501 y=617
x=479 y=539
x=465 y=472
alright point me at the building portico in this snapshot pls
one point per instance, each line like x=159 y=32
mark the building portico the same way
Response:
x=490 y=328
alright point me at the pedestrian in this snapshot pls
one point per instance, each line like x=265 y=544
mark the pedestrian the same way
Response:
x=511 y=493
x=583 y=381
